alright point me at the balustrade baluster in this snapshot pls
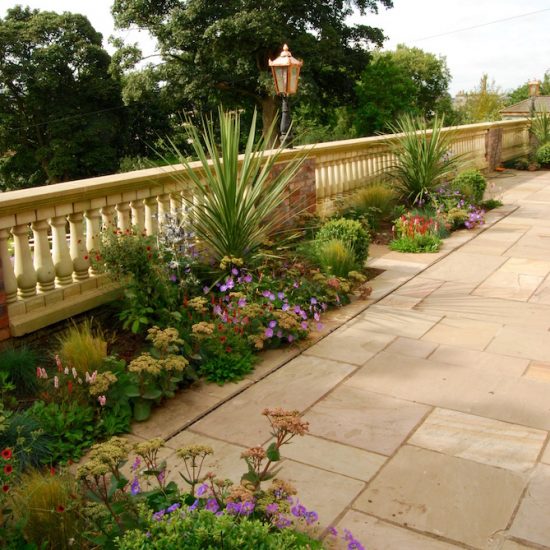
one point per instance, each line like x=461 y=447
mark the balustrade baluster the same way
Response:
x=79 y=254
x=163 y=208
x=93 y=229
x=24 y=268
x=151 y=221
x=108 y=218
x=123 y=217
x=62 y=260
x=43 y=263
x=138 y=214
x=10 y=281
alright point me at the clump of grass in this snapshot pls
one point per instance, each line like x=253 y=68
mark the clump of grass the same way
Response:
x=376 y=202
x=20 y=364
x=83 y=348
x=336 y=257
x=45 y=504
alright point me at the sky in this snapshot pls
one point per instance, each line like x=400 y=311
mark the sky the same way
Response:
x=511 y=52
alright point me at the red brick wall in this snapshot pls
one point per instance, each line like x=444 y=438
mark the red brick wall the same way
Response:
x=4 y=320
x=300 y=196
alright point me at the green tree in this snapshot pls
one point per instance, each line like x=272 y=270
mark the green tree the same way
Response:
x=483 y=103
x=522 y=92
x=407 y=80
x=218 y=50
x=53 y=73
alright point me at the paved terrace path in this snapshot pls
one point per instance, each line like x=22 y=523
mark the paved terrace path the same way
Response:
x=430 y=410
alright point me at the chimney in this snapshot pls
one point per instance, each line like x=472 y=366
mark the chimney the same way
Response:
x=534 y=88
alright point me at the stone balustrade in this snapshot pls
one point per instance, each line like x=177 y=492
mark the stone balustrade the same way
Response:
x=48 y=234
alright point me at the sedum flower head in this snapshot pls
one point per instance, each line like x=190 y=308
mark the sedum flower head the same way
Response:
x=202 y=329
x=174 y=363
x=148 y=447
x=194 y=451
x=164 y=340
x=145 y=363
x=199 y=304
x=288 y=421
x=102 y=382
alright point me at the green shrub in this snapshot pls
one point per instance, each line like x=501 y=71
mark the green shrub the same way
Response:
x=229 y=367
x=543 y=154
x=491 y=204
x=376 y=202
x=422 y=158
x=20 y=364
x=350 y=232
x=416 y=244
x=336 y=257
x=471 y=184
x=203 y=529
x=540 y=127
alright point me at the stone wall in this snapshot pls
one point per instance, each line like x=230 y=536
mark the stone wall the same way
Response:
x=4 y=319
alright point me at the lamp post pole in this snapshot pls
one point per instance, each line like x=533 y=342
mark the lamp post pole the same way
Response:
x=285 y=135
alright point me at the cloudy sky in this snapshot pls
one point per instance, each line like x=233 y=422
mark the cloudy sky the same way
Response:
x=511 y=51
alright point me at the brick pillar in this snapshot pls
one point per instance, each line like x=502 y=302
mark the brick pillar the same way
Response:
x=493 y=147
x=301 y=194
x=4 y=320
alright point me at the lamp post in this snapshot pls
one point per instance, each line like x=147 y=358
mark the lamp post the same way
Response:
x=286 y=71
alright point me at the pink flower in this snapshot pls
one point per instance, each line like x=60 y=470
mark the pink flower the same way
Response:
x=55 y=382
x=58 y=363
x=102 y=400
x=75 y=374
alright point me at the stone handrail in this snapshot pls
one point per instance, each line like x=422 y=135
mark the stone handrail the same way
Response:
x=53 y=230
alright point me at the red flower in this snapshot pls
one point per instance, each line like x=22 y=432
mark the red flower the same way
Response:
x=8 y=469
x=60 y=509
x=85 y=257
x=6 y=454
x=228 y=349
x=222 y=339
x=5 y=488
x=148 y=248
x=70 y=386
x=98 y=257
x=52 y=471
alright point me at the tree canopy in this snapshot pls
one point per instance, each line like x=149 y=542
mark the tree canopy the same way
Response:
x=483 y=103
x=53 y=68
x=406 y=80
x=218 y=50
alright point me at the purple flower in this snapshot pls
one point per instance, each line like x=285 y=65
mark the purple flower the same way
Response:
x=173 y=508
x=304 y=325
x=272 y=508
x=279 y=334
x=290 y=338
x=311 y=517
x=266 y=293
x=319 y=326
x=272 y=324
x=233 y=508
x=297 y=310
x=201 y=490
x=285 y=307
x=135 y=487
x=173 y=278
x=242 y=302
x=217 y=310
x=268 y=332
x=283 y=522
x=296 y=284
x=332 y=531
x=136 y=464
x=157 y=516
x=223 y=288
x=247 y=508
x=212 y=505
x=313 y=301
x=280 y=295
x=235 y=271
x=248 y=278
x=303 y=315
x=205 y=290
x=194 y=506
x=316 y=316
x=230 y=283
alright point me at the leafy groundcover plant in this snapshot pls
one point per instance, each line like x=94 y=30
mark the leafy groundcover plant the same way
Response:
x=415 y=233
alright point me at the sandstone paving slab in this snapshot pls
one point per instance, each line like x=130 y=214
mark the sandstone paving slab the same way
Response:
x=334 y=457
x=175 y=414
x=466 y=389
x=513 y=545
x=509 y=285
x=218 y=392
x=381 y=287
x=271 y=360
x=545 y=458
x=297 y=385
x=467 y=333
x=538 y=370
x=542 y=293
x=527 y=251
x=540 y=268
x=419 y=287
x=453 y=302
x=531 y=522
x=398 y=322
x=373 y=422
x=501 y=364
x=376 y=534
x=464 y=267
x=412 y=347
x=486 y=247
x=327 y=493
x=505 y=233
x=451 y=497
x=480 y=439
x=527 y=342
x=399 y=265
x=399 y=301
x=350 y=346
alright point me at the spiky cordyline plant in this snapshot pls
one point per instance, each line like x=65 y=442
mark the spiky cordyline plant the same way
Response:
x=422 y=157
x=237 y=200
x=540 y=127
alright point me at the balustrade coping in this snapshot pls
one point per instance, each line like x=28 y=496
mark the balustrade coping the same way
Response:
x=77 y=191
